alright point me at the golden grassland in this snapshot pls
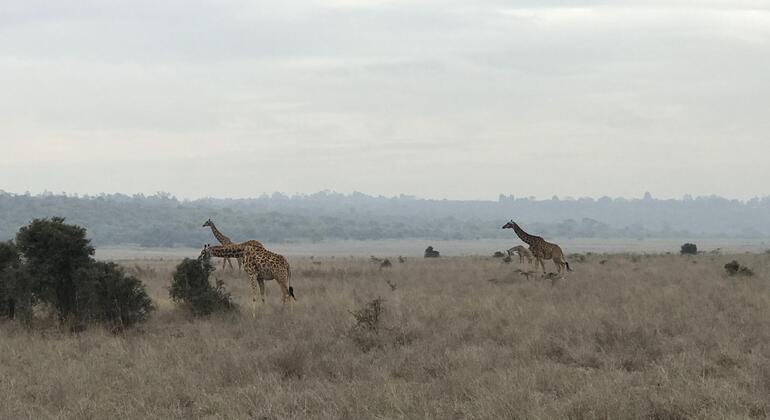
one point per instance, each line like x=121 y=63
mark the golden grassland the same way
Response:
x=623 y=336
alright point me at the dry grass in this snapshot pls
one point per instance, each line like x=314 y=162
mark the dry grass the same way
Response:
x=658 y=337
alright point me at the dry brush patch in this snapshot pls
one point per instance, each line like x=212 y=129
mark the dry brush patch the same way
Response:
x=662 y=336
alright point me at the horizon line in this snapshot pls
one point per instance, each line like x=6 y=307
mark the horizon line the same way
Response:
x=501 y=196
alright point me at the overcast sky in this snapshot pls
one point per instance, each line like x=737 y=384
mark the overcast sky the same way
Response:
x=441 y=99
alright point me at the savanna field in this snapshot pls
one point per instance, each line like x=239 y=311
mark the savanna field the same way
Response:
x=623 y=336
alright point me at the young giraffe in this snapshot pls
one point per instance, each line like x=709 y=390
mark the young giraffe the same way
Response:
x=541 y=249
x=523 y=252
x=260 y=264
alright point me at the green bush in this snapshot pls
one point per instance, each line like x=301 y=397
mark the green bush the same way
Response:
x=9 y=258
x=15 y=294
x=110 y=295
x=689 y=249
x=52 y=263
x=190 y=287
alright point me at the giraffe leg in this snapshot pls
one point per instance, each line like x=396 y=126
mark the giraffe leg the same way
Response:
x=261 y=288
x=224 y=261
x=542 y=264
x=261 y=285
x=563 y=263
x=240 y=263
x=282 y=281
x=230 y=263
x=253 y=280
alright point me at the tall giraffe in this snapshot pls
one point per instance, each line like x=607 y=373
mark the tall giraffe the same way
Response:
x=541 y=249
x=261 y=265
x=224 y=240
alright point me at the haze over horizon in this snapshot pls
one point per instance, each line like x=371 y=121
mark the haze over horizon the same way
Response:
x=505 y=194
x=436 y=99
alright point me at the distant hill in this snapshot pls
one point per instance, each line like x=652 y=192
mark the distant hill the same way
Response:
x=163 y=220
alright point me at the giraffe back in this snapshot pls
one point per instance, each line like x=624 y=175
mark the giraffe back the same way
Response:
x=265 y=264
x=547 y=250
x=252 y=243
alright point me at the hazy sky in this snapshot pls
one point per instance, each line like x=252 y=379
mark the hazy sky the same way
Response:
x=442 y=99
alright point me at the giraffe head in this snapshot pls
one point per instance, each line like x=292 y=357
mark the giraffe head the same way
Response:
x=205 y=252
x=509 y=225
x=208 y=223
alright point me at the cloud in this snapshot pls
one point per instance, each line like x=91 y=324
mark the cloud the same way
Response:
x=372 y=95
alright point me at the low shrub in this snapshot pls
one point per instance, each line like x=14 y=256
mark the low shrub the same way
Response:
x=191 y=287
x=431 y=253
x=365 y=333
x=689 y=249
x=734 y=268
x=368 y=317
x=111 y=296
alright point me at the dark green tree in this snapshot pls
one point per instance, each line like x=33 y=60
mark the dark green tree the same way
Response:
x=10 y=262
x=54 y=252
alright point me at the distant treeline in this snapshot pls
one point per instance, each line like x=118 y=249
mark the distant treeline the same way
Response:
x=163 y=220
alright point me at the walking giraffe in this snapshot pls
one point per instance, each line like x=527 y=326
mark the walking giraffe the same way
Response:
x=541 y=249
x=523 y=252
x=260 y=264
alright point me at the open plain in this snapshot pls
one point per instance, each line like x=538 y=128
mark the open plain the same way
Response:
x=624 y=336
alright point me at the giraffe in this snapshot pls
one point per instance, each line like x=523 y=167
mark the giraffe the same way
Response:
x=541 y=249
x=224 y=240
x=523 y=252
x=260 y=264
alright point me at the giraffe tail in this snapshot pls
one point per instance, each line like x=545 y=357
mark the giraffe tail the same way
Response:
x=291 y=289
x=567 y=264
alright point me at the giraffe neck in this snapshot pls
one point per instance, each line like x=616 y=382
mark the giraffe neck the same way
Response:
x=226 y=251
x=224 y=240
x=524 y=236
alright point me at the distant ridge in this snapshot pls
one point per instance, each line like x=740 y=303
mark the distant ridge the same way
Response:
x=163 y=220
